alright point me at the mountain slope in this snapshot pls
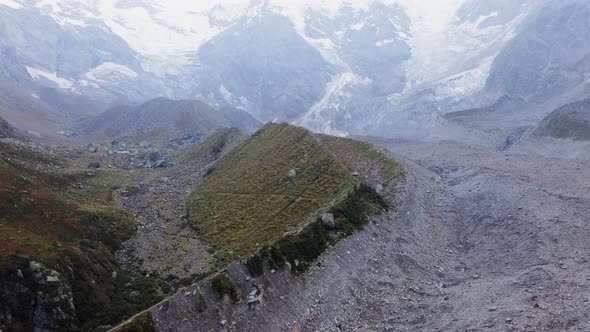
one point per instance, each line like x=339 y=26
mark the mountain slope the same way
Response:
x=570 y=121
x=266 y=65
x=546 y=53
x=276 y=182
x=163 y=119
x=59 y=229
x=6 y=130
x=564 y=133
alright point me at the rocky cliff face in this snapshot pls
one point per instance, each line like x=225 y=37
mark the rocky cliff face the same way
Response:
x=546 y=54
x=263 y=64
x=36 y=298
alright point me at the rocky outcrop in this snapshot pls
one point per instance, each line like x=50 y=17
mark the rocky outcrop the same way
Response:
x=34 y=297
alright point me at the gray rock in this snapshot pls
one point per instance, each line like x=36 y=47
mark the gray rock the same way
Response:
x=292 y=174
x=253 y=297
x=328 y=221
x=378 y=188
x=155 y=157
x=94 y=165
x=91 y=148
x=34 y=266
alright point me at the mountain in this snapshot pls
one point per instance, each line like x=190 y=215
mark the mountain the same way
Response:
x=383 y=67
x=163 y=119
x=549 y=53
x=77 y=57
x=48 y=113
x=563 y=133
x=264 y=65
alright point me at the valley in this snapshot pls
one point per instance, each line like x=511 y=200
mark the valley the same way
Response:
x=313 y=165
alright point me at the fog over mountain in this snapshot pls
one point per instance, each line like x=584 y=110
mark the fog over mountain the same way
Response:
x=365 y=67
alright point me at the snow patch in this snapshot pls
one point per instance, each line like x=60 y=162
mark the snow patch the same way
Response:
x=169 y=31
x=85 y=83
x=443 y=49
x=358 y=26
x=10 y=3
x=384 y=42
x=465 y=83
x=60 y=81
x=335 y=92
x=66 y=13
x=228 y=96
x=108 y=68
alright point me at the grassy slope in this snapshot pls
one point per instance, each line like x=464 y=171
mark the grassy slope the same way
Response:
x=67 y=218
x=569 y=121
x=357 y=156
x=249 y=200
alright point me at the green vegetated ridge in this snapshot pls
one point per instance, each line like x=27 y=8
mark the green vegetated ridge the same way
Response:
x=214 y=144
x=65 y=220
x=570 y=121
x=249 y=201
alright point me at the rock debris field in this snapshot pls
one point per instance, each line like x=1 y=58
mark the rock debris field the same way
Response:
x=480 y=241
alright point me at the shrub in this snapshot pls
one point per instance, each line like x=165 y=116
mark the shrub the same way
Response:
x=223 y=286
x=201 y=305
x=131 y=191
x=306 y=246
x=255 y=265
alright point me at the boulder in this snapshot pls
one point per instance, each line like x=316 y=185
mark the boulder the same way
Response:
x=328 y=221
x=292 y=174
x=171 y=146
x=253 y=296
x=34 y=266
x=378 y=188
x=91 y=148
x=94 y=165
x=155 y=157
